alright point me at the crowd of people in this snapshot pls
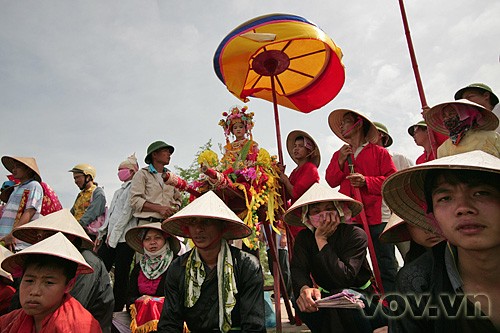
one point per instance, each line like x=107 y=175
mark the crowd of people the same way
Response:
x=194 y=267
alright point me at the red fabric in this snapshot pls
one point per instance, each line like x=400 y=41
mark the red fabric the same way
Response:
x=147 y=286
x=302 y=178
x=50 y=202
x=373 y=162
x=70 y=317
x=148 y=309
x=423 y=158
x=6 y=293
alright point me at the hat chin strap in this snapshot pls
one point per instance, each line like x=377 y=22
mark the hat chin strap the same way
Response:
x=353 y=126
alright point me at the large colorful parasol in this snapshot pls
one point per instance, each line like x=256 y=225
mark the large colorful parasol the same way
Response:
x=281 y=58
x=284 y=59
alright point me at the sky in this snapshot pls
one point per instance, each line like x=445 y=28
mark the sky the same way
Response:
x=95 y=81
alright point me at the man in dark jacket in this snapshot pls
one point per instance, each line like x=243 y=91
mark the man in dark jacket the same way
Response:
x=214 y=287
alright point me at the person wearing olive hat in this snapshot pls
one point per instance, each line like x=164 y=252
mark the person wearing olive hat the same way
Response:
x=400 y=162
x=153 y=200
x=481 y=94
x=25 y=202
x=420 y=135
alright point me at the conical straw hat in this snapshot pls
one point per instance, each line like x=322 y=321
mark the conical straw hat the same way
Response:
x=335 y=119
x=135 y=235
x=210 y=207
x=60 y=221
x=395 y=231
x=434 y=117
x=290 y=141
x=4 y=253
x=30 y=162
x=319 y=193
x=57 y=245
x=403 y=191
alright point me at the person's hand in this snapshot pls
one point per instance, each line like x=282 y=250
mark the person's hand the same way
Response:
x=10 y=242
x=166 y=211
x=383 y=329
x=97 y=242
x=306 y=300
x=328 y=226
x=144 y=297
x=344 y=151
x=357 y=179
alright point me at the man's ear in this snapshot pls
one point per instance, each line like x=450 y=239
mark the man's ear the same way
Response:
x=70 y=285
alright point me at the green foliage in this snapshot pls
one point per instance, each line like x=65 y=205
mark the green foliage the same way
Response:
x=192 y=172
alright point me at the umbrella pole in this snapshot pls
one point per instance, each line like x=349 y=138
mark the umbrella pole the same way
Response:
x=276 y=120
x=275 y=254
x=416 y=72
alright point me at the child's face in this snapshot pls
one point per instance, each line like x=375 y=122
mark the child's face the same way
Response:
x=300 y=152
x=42 y=290
x=239 y=130
x=423 y=237
x=468 y=215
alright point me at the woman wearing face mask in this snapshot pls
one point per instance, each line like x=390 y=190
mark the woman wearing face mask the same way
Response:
x=147 y=280
x=119 y=220
x=329 y=256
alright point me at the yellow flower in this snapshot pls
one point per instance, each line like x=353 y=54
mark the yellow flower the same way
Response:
x=208 y=157
x=263 y=158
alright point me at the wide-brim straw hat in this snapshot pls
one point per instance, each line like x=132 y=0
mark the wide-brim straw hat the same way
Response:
x=135 y=235
x=434 y=117
x=411 y=129
x=381 y=127
x=335 y=119
x=319 y=193
x=403 y=191
x=395 y=231
x=4 y=253
x=209 y=207
x=30 y=162
x=56 y=245
x=60 y=221
x=290 y=141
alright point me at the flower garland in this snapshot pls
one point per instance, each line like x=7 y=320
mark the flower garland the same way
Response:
x=255 y=173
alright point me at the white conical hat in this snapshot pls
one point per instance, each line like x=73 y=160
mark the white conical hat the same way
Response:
x=4 y=253
x=403 y=191
x=61 y=220
x=210 y=207
x=57 y=245
x=134 y=237
x=319 y=193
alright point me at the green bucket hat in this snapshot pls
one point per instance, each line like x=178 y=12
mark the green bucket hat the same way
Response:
x=156 y=146
x=411 y=129
x=381 y=127
x=482 y=86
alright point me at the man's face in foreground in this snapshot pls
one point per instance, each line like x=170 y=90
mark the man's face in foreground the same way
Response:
x=468 y=214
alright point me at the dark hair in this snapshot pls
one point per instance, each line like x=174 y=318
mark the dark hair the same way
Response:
x=454 y=177
x=68 y=267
